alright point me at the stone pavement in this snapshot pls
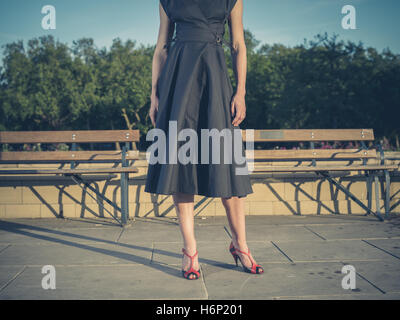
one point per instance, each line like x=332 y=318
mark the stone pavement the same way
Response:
x=302 y=256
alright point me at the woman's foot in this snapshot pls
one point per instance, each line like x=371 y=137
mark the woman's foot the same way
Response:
x=246 y=257
x=188 y=262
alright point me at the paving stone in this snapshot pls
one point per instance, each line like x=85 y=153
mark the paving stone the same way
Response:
x=348 y=296
x=213 y=233
x=336 y=250
x=150 y=232
x=357 y=231
x=392 y=246
x=106 y=282
x=281 y=280
x=326 y=219
x=23 y=237
x=216 y=253
x=3 y=247
x=383 y=274
x=23 y=233
x=72 y=253
x=98 y=234
x=97 y=259
x=48 y=222
x=279 y=233
x=7 y=273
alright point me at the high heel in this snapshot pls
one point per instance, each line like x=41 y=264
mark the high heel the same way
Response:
x=191 y=271
x=232 y=250
x=255 y=268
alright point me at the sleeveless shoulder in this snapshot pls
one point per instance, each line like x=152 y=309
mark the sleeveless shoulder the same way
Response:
x=164 y=4
x=231 y=5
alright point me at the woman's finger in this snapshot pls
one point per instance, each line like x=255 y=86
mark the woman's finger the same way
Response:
x=154 y=118
x=153 y=114
x=240 y=117
x=237 y=118
x=233 y=108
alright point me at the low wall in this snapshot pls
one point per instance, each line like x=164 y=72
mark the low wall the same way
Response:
x=274 y=194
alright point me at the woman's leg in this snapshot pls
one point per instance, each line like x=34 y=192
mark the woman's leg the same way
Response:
x=234 y=208
x=184 y=204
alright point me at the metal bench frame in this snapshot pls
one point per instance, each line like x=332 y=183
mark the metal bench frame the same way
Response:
x=75 y=157
x=371 y=172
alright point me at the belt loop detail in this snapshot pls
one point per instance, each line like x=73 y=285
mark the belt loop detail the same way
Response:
x=168 y=44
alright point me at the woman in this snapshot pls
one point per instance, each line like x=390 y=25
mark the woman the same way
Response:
x=192 y=90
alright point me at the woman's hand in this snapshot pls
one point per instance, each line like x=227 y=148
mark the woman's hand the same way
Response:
x=238 y=108
x=165 y=33
x=239 y=61
x=153 y=109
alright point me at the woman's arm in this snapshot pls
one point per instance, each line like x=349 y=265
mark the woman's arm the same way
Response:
x=239 y=58
x=165 y=34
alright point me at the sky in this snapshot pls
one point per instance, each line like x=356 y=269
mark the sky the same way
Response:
x=288 y=22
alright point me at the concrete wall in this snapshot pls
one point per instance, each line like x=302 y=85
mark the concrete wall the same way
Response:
x=274 y=194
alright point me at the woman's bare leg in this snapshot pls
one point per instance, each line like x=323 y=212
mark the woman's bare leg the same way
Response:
x=184 y=205
x=234 y=208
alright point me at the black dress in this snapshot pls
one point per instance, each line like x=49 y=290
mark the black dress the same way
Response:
x=195 y=92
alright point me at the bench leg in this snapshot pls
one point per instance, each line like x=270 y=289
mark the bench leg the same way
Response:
x=369 y=192
x=387 y=192
x=80 y=181
x=378 y=204
x=347 y=192
x=124 y=198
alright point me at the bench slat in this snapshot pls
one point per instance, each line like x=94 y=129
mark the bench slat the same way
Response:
x=302 y=135
x=323 y=168
x=70 y=136
x=313 y=154
x=66 y=155
x=69 y=171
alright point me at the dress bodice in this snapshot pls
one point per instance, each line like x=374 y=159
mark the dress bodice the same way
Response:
x=201 y=20
x=198 y=11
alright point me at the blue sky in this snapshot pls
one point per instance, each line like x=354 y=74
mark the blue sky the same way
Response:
x=271 y=21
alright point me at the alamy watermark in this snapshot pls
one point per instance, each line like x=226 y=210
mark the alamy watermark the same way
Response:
x=349 y=280
x=49 y=280
x=349 y=20
x=167 y=152
x=49 y=20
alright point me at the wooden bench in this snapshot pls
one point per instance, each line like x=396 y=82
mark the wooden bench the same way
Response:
x=73 y=158
x=319 y=161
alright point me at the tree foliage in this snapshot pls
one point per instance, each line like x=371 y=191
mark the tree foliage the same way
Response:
x=322 y=83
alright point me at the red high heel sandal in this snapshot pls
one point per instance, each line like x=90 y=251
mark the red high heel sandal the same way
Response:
x=255 y=268
x=186 y=274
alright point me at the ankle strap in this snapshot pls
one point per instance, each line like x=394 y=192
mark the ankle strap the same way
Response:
x=185 y=253
x=247 y=253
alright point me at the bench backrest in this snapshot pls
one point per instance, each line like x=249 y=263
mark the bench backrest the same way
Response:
x=306 y=135
x=74 y=137
x=311 y=136
x=77 y=136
